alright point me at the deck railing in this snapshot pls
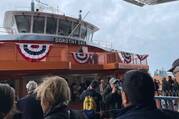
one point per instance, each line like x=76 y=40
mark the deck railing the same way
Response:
x=133 y=59
x=168 y=102
x=4 y=30
x=113 y=57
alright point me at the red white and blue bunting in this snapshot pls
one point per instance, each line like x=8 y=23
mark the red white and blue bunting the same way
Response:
x=81 y=57
x=131 y=58
x=127 y=57
x=142 y=57
x=33 y=52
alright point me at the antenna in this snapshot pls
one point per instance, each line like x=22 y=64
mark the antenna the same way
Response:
x=57 y=9
x=46 y=7
x=32 y=6
x=79 y=22
x=60 y=6
x=41 y=2
x=80 y=16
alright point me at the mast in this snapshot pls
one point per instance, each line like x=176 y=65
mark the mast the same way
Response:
x=32 y=6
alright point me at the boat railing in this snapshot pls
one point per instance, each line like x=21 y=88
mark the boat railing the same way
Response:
x=131 y=58
x=115 y=57
x=4 y=30
x=170 y=103
x=99 y=58
x=101 y=44
x=41 y=8
x=119 y=56
x=107 y=58
x=167 y=102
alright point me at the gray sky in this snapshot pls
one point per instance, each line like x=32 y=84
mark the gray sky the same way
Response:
x=149 y=30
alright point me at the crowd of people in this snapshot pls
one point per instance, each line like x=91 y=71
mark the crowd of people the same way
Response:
x=167 y=87
x=131 y=98
x=170 y=87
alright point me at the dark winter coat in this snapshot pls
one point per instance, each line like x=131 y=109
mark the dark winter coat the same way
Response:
x=146 y=112
x=112 y=100
x=30 y=107
x=63 y=112
x=57 y=112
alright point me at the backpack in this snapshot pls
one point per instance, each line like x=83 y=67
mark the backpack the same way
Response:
x=89 y=107
x=89 y=103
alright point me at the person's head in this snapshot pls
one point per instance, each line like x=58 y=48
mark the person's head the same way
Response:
x=164 y=79
x=112 y=81
x=31 y=86
x=7 y=97
x=169 y=77
x=102 y=81
x=137 y=88
x=94 y=84
x=175 y=69
x=54 y=90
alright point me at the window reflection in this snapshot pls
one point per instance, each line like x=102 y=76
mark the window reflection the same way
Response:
x=64 y=27
x=51 y=25
x=38 y=26
x=23 y=23
x=89 y=34
x=83 y=31
x=76 y=29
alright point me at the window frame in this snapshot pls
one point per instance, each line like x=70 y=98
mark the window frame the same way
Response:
x=17 y=26
x=56 y=25
x=44 y=27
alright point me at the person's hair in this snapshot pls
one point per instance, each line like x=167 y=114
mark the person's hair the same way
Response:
x=94 y=84
x=170 y=77
x=54 y=90
x=139 y=87
x=31 y=86
x=164 y=78
x=7 y=97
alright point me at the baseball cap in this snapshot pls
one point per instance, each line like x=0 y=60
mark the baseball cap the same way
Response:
x=174 y=65
x=113 y=80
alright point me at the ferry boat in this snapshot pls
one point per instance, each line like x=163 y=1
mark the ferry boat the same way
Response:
x=38 y=44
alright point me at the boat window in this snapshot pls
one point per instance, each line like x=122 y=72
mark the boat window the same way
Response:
x=89 y=34
x=76 y=29
x=51 y=25
x=83 y=31
x=64 y=27
x=38 y=26
x=23 y=23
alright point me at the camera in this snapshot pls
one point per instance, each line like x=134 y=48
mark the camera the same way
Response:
x=118 y=85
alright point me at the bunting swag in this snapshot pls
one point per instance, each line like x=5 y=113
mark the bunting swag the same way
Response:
x=81 y=57
x=33 y=52
x=127 y=57
x=142 y=57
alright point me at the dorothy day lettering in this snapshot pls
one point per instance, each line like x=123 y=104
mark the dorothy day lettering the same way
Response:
x=69 y=40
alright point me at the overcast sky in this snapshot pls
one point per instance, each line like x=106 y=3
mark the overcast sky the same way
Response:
x=152 y=30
